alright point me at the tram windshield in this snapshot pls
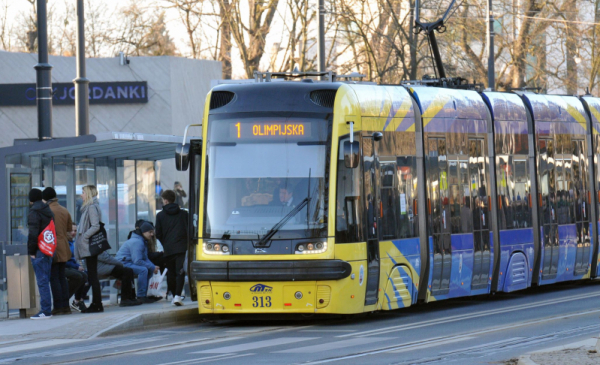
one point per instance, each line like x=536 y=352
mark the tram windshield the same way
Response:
x=266 y=175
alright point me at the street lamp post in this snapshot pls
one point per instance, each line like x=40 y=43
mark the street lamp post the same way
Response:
x=43 y=76
x=490 y=39
x=321 y=39
x=82 y=103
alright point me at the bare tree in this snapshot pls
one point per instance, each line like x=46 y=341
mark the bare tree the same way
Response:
x=144 y=32
x=377 y=34
x=250 y=37
x=6 y=26
x=225 y=39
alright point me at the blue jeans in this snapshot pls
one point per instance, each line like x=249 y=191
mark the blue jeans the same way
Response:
x=143 y=274
x=41 y=266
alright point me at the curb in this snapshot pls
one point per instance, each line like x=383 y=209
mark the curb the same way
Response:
x=153 y=320
x=526 y=360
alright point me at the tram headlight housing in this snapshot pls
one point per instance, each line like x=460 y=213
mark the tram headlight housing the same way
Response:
x=311 y=248
x=210 y=248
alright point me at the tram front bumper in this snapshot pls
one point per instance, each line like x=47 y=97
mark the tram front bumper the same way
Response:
x=293 y=286
x=253 y=271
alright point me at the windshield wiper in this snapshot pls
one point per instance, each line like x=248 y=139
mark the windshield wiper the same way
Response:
x=282 y=222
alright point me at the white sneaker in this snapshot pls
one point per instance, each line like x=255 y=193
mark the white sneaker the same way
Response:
x=42 y=316
x=177 y=300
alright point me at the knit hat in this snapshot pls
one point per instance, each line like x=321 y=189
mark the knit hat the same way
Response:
x=146 y=227
x=48 y=194
x=35 y=195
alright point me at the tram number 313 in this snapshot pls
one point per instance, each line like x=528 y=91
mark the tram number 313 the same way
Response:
x=261 y=302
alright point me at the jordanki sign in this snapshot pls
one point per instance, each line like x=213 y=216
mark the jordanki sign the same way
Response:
x=126 y=92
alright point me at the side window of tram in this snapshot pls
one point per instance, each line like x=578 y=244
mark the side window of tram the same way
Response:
x=579 y=202
x=407 y=197
x=397 y=186
x=371 y=205
x=513 y=192
x=348 y=225
x=388 y=199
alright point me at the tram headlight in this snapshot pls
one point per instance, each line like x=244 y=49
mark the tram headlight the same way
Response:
x=311 y=248
x=210 y=248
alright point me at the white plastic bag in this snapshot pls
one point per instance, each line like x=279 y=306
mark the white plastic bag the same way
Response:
x=155 y=283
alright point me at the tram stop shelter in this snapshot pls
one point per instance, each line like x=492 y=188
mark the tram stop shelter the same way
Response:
x=127 y=169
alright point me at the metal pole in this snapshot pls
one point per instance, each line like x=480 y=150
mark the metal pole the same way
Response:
x=491 y=66
x=321 y=50
x=82 y=103
x=436 y=54
x=43 y=76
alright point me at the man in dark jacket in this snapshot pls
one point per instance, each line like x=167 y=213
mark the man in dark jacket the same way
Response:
x=38 y=219
x=171 y=230
x=58 y=279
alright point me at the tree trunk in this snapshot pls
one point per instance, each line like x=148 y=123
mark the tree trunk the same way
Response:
x=571 y=41
x=225 y=46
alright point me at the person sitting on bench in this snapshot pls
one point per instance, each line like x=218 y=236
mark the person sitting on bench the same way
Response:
x=134 y=255
x=110 y=266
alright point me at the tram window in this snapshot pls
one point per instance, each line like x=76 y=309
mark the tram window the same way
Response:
x=388 y=199
x=562 y=200
x=504 y=206
x=407 y=197
x=454 y=195
x=398 y=185
x=348 y=203
x=513 y=192
x=576 y=180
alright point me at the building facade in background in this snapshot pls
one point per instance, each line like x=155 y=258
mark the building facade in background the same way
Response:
x=142 y=96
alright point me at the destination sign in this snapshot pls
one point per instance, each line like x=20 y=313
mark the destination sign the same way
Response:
x=258 y=130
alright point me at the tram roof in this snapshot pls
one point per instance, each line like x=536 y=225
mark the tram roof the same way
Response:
x=506 y=106
x=556 y=108
x=437 y=102
x=274 y=97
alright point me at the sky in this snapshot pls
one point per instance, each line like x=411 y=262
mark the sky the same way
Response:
x=176 y=30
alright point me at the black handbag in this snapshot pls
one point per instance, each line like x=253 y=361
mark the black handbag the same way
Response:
x=99 y=242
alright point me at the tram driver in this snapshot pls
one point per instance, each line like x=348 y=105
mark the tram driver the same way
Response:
x=286 y=196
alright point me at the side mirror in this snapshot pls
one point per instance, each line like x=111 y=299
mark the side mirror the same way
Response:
x=351 y=154
x=182 y=157
x=377 y=136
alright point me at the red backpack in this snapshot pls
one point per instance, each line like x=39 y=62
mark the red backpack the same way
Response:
x=47 y=239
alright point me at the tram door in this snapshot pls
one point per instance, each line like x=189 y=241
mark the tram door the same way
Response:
x=480 y=211
x=548 y=214
x=582 y=219
x=372 y=215
x=439 y=214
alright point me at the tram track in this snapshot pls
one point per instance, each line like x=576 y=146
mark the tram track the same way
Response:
x=460 y=317
x=159 y=343
x=440 y=340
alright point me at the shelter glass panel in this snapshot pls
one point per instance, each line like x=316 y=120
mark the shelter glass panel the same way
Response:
x=63 y=183
x=85 y=174
x=105 y=171
x=126 y=210
x=146 y=189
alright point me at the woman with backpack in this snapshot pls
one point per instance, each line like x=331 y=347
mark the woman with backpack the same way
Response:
x=89 y=224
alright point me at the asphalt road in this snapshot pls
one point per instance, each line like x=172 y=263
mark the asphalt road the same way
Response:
x=480 y=330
